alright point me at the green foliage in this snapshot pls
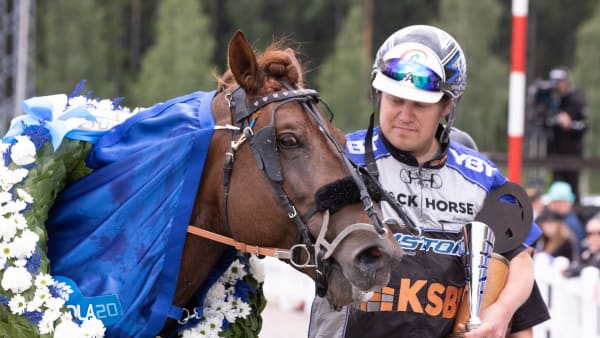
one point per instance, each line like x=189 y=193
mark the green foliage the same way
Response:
x=250 y=326
x=12 y=326
x=72 y=46
x=482 y=111
x=179 y=60
x=343 y=79
x=44 y=182
x=586 y=74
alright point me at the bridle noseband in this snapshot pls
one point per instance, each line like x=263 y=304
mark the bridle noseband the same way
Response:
x=263 y=143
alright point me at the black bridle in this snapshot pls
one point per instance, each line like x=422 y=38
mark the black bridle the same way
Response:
x=263 y=143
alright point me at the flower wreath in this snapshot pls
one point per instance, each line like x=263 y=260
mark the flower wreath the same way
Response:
x=37 y=160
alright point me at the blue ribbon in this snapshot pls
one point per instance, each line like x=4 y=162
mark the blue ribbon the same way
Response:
x=49 y=111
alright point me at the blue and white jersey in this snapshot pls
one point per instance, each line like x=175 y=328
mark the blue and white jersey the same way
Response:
x=441 y=195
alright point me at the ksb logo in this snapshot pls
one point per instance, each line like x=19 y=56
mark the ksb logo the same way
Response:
x=442 y=300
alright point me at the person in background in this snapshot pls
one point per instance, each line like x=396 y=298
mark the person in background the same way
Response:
x=535 y=197
x=560 y=199
x=567 y=126
x=557 y=239
x=591 y=253
x=418 y=77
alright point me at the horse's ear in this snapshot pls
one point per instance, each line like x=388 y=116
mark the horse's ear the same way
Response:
x=296 y=64
x=242 y=62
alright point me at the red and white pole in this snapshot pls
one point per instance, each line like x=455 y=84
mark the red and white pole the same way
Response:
x=516 y=99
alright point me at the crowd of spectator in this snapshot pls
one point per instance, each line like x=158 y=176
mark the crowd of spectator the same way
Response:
x=565 y=232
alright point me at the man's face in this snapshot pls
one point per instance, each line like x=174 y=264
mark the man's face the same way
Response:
x=562 y=86
x=410 y=125
x=592 y=236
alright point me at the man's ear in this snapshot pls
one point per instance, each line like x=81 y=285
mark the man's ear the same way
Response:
x=446 y=106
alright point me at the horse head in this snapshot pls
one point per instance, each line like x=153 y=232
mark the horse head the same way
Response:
x=277 y=176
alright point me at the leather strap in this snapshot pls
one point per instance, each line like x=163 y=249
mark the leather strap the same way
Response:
x=252 y=249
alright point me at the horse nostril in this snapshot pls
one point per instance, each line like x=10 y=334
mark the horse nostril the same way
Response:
x=375 y=252
x=369 y=256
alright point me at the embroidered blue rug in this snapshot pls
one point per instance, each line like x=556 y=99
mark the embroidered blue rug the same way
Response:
x=117 y=234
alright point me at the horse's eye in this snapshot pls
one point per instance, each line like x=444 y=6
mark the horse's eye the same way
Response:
x=287 y=141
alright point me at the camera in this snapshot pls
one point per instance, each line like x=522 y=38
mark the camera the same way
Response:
x=544 y=101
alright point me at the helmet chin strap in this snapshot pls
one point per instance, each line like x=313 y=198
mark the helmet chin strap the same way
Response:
x=449 y=120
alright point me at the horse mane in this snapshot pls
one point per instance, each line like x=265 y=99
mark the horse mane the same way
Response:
x=278 y=64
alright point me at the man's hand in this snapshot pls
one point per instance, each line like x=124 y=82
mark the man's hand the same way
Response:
x=494 y=323
x=564 y=120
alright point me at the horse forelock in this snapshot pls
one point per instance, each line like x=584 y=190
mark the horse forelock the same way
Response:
x=278 y=65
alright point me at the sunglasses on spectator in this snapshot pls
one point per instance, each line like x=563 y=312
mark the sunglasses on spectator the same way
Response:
x=589 y=233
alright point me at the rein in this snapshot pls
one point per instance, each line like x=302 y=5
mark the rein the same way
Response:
x=283 y=253
x=263 y=143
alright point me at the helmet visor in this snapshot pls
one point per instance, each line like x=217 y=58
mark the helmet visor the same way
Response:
x=405 y=70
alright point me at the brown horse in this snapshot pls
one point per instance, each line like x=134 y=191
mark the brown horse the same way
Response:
x=283 y=156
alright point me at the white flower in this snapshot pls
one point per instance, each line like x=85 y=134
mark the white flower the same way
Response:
x=231 y=291
x=214 y=323
x=5 y=196
x=24 y=196
x=51 y=315
x=24 y=245
x=13 y=207
x=43 y=280
x=46 y=326
x=16 y=279
x=23 y=152
x=243 y=309
x=257 y=269
x=18 y=220
x=236 y=271
x=210 y=312
x=55 y=303
x=93 y=328
x=39 y=298
x=9 y=177
x=8 y=228
x=20 y=262
x=68 y=329
x=229 y=312
x=216 y=292
x=17 y=304
x=5 y=250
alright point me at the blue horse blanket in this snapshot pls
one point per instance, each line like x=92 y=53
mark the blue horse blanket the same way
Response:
x=116 y=235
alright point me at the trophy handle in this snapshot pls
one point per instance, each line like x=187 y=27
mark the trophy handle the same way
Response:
x=496 y=279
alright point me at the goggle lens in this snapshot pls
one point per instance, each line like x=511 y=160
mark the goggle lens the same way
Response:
x=406 y=70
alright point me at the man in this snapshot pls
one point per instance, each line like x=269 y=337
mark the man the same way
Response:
x=567 y=126
x=418 y=78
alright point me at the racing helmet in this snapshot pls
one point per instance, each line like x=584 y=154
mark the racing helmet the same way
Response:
x=420 y=63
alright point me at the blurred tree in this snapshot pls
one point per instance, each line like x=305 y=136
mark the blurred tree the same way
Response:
x=551 y=30
x=308 y=26
x=179 y=61
x=390 y=16
x=482 y=110
x=343 y=79
x=586 y=74
x=71 y=45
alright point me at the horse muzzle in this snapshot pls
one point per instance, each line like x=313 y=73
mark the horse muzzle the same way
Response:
x=363 y=263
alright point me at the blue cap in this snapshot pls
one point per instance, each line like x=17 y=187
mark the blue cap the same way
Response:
x=559 y=191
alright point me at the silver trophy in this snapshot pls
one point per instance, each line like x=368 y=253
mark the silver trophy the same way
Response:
x=479 y=245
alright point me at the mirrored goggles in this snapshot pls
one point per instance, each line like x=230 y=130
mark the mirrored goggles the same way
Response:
x=419 y=75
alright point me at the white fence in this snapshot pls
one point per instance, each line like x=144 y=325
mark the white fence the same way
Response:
x=574 y=302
